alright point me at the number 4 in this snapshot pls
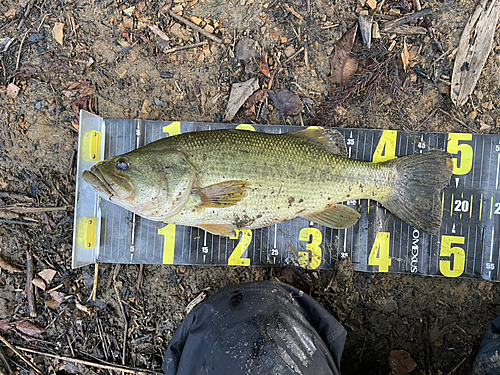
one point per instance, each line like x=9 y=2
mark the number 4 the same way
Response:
x=379 y=256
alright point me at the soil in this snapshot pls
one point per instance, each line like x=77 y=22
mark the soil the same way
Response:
x=110 y=62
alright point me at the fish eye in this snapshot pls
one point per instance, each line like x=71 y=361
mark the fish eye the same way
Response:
x=122 y=165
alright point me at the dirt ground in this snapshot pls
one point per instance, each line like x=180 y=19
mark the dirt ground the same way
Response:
x=110 y=61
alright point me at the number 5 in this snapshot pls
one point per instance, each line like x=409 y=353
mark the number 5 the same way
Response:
x=458 y=256
x=464 y=149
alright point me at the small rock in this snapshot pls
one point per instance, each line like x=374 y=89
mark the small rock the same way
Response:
x=179 y=32
x=472 y=115
x=394 y=12
x=488 y=105
x=35 y=37
x=479 y=95
x=289 y=51
x=159 y=102
x=209 y=28
x=166 y=75
x=12 y=90
x=146 y=107
x=372 y=3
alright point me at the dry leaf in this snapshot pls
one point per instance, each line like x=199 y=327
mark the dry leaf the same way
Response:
x=52 y=303
x=58 y=296
x=473 y=50
x=484 y=127
x=405 y=56
x=29 y=328
x=47 y=274
x=5 y=325
x=264 y=68
x=342 y=54
x=7 y=266
x=12 y=90
x=401 y=362
x=257 y=97
x=240 y=92
x=287 y=102
x=39 y=283
x=57 y=32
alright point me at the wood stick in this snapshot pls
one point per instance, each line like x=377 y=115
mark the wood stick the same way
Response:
x=24 y=210
x=175 y=49
x=5 y=362
x=125 y=329
x=26 y=14
x=30 y=288
x=195 y=27
x=20 y=48
x=403 y=20
x=21 y=355
x=129 y=370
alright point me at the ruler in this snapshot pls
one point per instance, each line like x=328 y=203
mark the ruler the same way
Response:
x=467 y=245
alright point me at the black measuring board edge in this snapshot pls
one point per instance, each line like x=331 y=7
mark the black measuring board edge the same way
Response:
x=408 y=250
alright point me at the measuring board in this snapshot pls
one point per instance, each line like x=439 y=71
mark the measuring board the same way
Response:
x=467 y=245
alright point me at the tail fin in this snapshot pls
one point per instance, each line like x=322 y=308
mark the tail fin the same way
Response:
x=416 y=197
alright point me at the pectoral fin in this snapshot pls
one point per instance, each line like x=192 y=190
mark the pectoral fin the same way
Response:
x=224 y=194
x=338 y=216
x=224 y=230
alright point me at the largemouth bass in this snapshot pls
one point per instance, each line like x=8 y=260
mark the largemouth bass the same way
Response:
x=222 y=180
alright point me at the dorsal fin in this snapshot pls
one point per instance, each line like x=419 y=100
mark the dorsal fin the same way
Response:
x=330 y=139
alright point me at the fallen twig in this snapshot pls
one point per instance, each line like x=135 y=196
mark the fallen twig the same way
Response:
x=24 y=210
x=125 y=329
x=195 y=27
x=20 y=48
x=175 y=49
x=21 y=355
x=403 y=20
x=129 y=370
x=26 y=14
x=5 y=361
x=16 y=222
x=30 y=288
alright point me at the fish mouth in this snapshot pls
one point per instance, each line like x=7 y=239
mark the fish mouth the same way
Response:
x=96 y=179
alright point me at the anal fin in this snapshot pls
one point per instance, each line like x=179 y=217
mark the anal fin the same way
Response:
x=224 y=230
x=224 y=194
x=337 y=216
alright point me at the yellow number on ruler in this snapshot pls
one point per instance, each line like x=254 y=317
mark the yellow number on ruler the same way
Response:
x=235 y=259
x=379 y=256
x=458 y=256
x=466 y=152
x=386 y=148
x=173 y=129
x=168 y=233
x=313 y=237
x=245 y=127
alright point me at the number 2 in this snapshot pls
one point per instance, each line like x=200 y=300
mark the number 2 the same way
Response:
x=235 y=259
x=497 y=209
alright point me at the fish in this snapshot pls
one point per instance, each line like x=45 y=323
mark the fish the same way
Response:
x=222 y=180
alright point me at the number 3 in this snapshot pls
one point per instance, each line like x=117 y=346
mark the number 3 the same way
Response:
x=313 y=249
